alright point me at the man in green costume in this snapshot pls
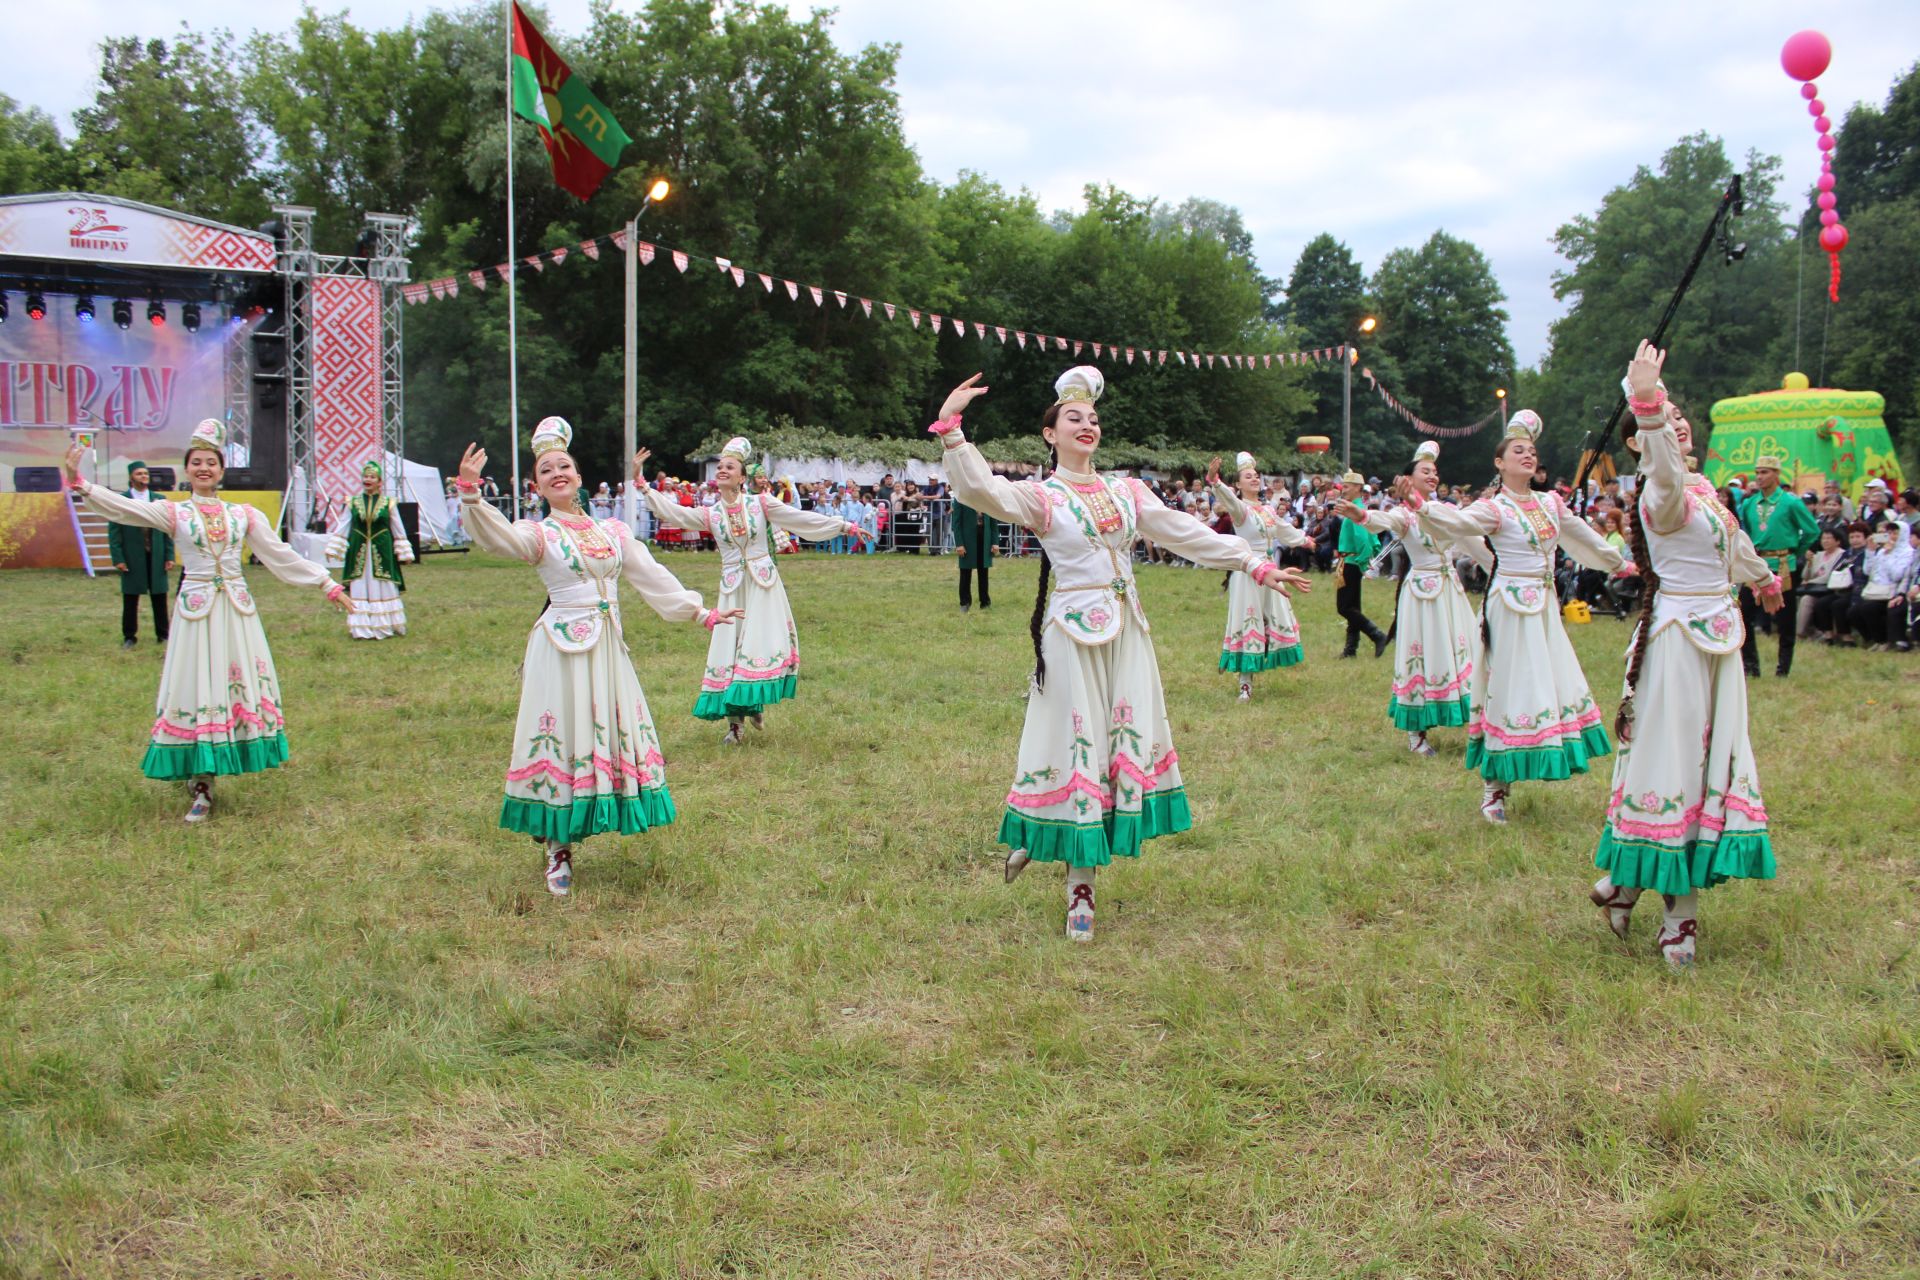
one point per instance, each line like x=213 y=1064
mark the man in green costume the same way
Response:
x=144 y=558
x=1356 y=549
x=1783 y=531
x=974 y=533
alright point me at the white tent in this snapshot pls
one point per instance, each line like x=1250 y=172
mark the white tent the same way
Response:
x=839 y=472
x=411 y=482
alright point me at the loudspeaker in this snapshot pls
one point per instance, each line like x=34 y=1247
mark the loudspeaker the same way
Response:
x=160 y=479
x=410 y=521
x=36 y=479
x=247 y=478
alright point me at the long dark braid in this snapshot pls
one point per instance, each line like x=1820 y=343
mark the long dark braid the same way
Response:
x=1037 y=623
x=1649 y=585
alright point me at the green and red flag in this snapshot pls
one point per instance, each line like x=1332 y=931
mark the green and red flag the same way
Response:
x=583 y=139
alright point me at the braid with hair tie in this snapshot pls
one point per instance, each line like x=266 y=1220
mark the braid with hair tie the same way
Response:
x=1036 y=624
x=1649 y=586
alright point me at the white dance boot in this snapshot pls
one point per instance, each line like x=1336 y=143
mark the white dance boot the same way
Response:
x=1080 y=904
x=559 y=869
x=201 y=807
x=1493 y=803
x=1616 y=901
x=1016 y=863
x=1679 y=931
x=1418 y=744
x=1246 y=689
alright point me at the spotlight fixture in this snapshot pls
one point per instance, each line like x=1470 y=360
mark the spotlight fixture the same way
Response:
x=190 y=317
x=36 y=307
x=157 y=314
x=3 y=308
x=83 y=308
x=122 y=313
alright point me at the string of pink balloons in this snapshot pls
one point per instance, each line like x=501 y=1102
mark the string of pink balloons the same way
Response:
x=1806 y=56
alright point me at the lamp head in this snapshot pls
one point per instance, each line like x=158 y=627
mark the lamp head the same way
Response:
x=1368 y=325
x=658 y=191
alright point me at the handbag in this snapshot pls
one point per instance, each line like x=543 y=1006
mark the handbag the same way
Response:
x=1840 y=579
x=1876 y=591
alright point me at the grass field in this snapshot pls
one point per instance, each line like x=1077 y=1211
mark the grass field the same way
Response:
x=1341 y=1028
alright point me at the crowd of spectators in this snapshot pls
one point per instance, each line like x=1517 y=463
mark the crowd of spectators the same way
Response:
x=1859 y=586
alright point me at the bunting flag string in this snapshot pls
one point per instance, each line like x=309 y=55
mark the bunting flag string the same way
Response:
x=1424 y=427
x=417 y=292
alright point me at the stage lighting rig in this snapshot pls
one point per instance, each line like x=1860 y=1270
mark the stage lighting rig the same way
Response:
x=122 y=313
x=36 y=306
x=3 y=308
x=190 y=317
x=83 y=308
x=157 y=314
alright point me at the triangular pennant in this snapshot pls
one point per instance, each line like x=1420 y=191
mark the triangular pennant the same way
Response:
x=1163 y=357
x=935 y=317
x=413 y=292
x=819 y=299
x=679 y=261
x=1021 y=338
x=866 y=305
x=453 y=287
x=1096 y=350
x=913 y=316
x=1076 y=349
x=840 y=298
x=766 y=281
x=439 y=288
x=645 y=253
x=620 y=241
x=725 y=264
x=739 y=276
x=1266 y=362
x=533 y=260
x=558 y=255
x=793 y=289
x=591 y=248
x=1209 y=360
x=479 y=279
x=1001 y=330
x=979 y=330
x=1181 y=356
x=888 y=306
x=1060 y=344
x=1129 y=355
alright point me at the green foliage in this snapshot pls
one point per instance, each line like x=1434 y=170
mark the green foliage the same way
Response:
x=32 y=155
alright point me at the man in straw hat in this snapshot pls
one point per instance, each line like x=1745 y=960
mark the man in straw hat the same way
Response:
x=144 y=558
x=1783 y=531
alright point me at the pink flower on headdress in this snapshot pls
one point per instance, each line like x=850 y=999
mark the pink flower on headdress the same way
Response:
x=1123 y=712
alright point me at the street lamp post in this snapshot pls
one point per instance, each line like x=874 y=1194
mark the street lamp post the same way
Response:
x=1351 y=358
x=655 y=193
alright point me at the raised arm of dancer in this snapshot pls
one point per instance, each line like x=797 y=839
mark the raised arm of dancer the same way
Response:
x=1476 y=550
x=282 y=561
x=1236 y=509
x=1289 y=534
x=1395 y=522
x=1445 y=523
x=1663 y=477
x=1578 y=539
x=520 y=539
x=814 y=526
x=657 y=586
x=671 y=513
x=1018 y=502
x=124 y=510
x=1186 y=537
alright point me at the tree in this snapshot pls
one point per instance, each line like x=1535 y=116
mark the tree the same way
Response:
x=1626 y=260
x=32 y=155
x=167 y=126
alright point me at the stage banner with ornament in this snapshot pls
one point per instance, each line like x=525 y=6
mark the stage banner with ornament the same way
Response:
x=346 y=382
x=140 y=389
x=124 y=233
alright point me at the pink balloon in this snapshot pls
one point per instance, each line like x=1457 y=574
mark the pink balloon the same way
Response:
x=1833 y=238
x=1806 y=55
x=1825 y=182
x=1816 y=108
x=1828 y=218
x=1822 y=125
x=1809 y=89
x=1827 y=200
x=1826 y=142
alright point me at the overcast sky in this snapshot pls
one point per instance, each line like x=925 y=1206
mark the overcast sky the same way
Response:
x=1379 y=122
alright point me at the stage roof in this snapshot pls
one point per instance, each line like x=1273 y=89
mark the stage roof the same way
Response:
x=80 y=231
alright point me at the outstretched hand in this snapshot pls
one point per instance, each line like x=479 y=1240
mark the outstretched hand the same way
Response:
x=1283 y=577
x=1213 y=472
x=639 y=463
x=1643 y=373
x=1347 y=509
x=473 y=463
x=961 y=396
x=74 y=453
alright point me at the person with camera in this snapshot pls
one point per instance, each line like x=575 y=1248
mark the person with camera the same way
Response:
x=1886 y=564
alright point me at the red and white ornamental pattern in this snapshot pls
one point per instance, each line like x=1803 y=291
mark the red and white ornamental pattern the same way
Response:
x=346 y=380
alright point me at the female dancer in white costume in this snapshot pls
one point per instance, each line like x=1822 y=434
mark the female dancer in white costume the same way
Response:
x=755 y=662
x=1262 y=633
x=1097 y=773
x=1686 y=812
x=1534 y=717
x=218 y=711
x=1436 y=637
x=585 y=755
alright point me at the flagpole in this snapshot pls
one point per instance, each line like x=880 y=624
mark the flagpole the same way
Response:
x=513 y=262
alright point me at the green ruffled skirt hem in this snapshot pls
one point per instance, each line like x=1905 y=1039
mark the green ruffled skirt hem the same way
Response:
x=1431 y=715
x=1539 y=764
x=744 y=697
x=248 y=755
x=1094 y=844
x=627 y=815
x=1663 y=868
x=1273 y=659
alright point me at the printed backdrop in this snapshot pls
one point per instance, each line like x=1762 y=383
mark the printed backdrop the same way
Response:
x=346 y=381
